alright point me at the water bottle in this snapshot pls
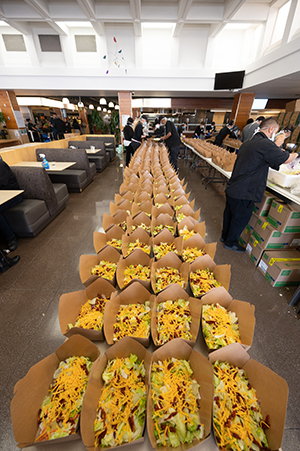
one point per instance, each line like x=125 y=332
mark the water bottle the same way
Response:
x=45 y=163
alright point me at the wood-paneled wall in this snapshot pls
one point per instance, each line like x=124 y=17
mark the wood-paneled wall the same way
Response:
x=241 y=109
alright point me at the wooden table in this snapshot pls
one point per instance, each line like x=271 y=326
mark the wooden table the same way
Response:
x=92 y=151
x=6 y=195
x=54 y=165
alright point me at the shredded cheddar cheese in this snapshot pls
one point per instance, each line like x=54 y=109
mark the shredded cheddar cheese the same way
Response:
x=166 y=276
x=186 y=233
x=190 y=254
x=122 y=404
x=141 y=226
x=136 y=272
x=105 y=269
x=173 y=320
x=220 y=326
x=238 y=421
x=91 y=314
x=160 y=227
x=163 y=249
x=59 y=414
x=138 y=245
x=115 y=243
x=202 y=280
x=175 y=398
x=133 y=320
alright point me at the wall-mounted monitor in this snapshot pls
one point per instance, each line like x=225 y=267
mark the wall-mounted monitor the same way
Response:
x=229 y=80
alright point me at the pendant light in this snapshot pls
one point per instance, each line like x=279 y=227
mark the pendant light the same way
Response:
x=102 y=101
x=99 y=108
x=65 y=101
x=104 y=110
x=91 y=107
x=80 y=104
x=111 y=105
x=117 y=107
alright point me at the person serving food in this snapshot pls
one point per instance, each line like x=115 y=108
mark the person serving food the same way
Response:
x=248 y=181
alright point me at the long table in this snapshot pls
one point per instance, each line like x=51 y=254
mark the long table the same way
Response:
x=53 y=165
x=6 y=195
x=225 y=175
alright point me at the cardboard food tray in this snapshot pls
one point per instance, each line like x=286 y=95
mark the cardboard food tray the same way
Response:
x=183 y=200
x=100 y=239
x=271 y=389
x=130 y=186
x=87 y=262
x=165 y=236
x=161 y=189
x=165 y=220
x=222 y=273
x=124 y=204
x=122 y=348
x=29 y=392
x=196 y=241
x=162 y=199
x=125 y=194
x=70 y=305
x=173 y=261
x=145 y=207
x=142 y=197
x=192 y=224
x=164 y=209
x=145 y=188
x=180 y=192
x=243 y=310
x=135 y=258
x=117 y=218
x=140 y=218
x=188 y=211
x=135 y=293
x=202 y=372
x=138 y=234
x=174 y=292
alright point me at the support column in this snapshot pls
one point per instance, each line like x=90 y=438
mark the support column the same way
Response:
x=125 y=107
x=241 y=108
x=84 y=118
x=13 y=117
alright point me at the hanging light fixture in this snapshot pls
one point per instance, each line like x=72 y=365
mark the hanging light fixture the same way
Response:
x=91 y=107
x=99 y=108
x=117 y=107
x=102 y=101
x=80 y=104
x=104 y=110
x=111 y=105
x=109 y=111
x=65 y=101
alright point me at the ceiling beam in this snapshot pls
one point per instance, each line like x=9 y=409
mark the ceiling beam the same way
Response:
x=42 y=8
x=289 y=22
x=231 y=7
x=136 y=12
x=22 y=27
x=88 y=7
x=183 y=10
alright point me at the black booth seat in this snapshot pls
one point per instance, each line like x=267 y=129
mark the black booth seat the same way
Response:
x=42 y=201
x=78 y=176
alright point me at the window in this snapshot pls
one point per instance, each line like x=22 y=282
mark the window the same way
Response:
x=281 y=22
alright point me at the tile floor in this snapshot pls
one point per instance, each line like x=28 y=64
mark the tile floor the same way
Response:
x=30 y=292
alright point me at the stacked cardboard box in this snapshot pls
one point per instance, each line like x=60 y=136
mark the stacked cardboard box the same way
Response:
x=281 y=268
x=260 y=210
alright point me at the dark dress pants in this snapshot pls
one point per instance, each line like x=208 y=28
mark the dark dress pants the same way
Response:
x=129 y=153
x=5 y=229
x=235 y=218
x=173 y=153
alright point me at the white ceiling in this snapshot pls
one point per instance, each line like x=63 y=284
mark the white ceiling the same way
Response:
x=170 y=47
